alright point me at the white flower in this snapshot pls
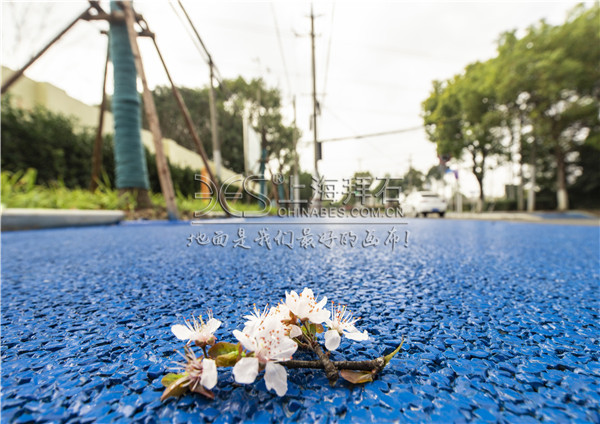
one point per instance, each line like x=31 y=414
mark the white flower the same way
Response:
x=305 y=307
x=342 y=324
x=200 y=333
x=199 y=371
x=255 y=319
x=283 y=314
x=295 y=331
x=280 y=312
x=269 y=344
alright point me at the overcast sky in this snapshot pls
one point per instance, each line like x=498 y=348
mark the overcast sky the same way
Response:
x=375 y=62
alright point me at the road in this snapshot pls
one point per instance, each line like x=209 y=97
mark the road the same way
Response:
x=500 y=319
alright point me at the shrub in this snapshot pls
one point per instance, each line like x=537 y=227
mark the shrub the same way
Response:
x=51 y=144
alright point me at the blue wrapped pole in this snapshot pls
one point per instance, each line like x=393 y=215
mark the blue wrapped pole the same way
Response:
x=130 y=161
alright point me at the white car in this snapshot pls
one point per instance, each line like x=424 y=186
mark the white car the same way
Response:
x=424 y=203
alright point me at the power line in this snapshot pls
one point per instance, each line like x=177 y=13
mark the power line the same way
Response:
x=195 y=32
x=287 y=76
x=378 y=134
x=211 y=63
x=354 y=132
x=342 y=121
x=189 y=32
x=328 y=53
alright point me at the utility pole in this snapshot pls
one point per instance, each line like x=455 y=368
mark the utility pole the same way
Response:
x=314 y=94
x=458 y=200
x=316 y=199
x=520 y=198
x=213 y=124
x=263 y=144
x=410 y=174
x=533 y=170
x=213 y=110
x=296 y=177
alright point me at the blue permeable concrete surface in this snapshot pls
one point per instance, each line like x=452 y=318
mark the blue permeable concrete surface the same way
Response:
x=500 y=320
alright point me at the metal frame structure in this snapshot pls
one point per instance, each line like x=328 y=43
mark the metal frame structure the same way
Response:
x=128 y=15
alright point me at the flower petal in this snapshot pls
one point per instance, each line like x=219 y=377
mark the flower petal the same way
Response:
x=332 y=340
x=212 y=325
x=248 y=342
x=357 y=335
x=295 y=331
x=291 y=301
x=182 y=332
x=209 y=373
x=284 y=350
x=318 y=317
x=307 y=293
x=276 y=378
x=246 y=370
x=322 y=303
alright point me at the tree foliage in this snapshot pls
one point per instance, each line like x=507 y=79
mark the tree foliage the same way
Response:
x=463 y=117
x=236 y=97
x=60 y=151
x=47 y=141
x=541 y=93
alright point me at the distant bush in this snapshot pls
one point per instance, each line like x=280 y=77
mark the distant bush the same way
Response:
x=61 y=153
x=502 y=205
x=19 y=190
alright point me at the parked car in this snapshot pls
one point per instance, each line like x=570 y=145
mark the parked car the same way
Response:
x=422 y=203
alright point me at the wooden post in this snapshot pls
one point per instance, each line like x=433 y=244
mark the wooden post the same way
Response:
x=97 y=155
x=204 y=192
x=164 y=175
x=192 y=130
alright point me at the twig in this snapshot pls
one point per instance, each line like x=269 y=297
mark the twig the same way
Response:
x=371 y=365
x=331 y=370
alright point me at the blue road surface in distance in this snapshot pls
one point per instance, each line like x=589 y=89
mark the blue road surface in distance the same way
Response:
x=500 y=320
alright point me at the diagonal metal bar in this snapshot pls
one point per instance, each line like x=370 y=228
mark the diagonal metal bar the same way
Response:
x=192 y=130
x=14 y=77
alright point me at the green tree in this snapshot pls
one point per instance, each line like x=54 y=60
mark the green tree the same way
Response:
x=551 y=78
x=436 y=173
x=60 y=151
x=47 y=142
x=235 y=98
x=413 y=180
x=262 y=106
x=197 y=101
x=539 y=98
x=585 y=190
x=463 y=117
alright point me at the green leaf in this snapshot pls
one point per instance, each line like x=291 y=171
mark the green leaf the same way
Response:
x=357 y=377
x=227 y=360
x=176 y=388
x=389 y=356
x=223 y=348
x=170 y=378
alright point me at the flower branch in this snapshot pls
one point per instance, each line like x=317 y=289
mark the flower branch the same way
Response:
x=267 y=344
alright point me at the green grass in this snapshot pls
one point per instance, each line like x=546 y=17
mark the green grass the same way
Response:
x=19 y=190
